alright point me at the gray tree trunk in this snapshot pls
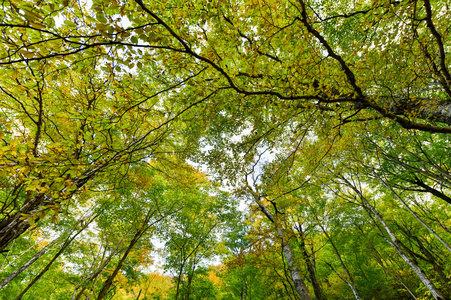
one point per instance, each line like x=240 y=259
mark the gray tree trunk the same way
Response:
x=298 y=282
x=394 y=242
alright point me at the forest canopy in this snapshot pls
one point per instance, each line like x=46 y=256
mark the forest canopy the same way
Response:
x=252 y=149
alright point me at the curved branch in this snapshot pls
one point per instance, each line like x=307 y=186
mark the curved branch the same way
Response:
x=438 y=38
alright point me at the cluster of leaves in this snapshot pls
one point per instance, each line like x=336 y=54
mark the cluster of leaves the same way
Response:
x=329 y=119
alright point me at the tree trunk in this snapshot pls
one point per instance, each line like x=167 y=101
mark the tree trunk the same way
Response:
x=350 y=280
x=14 y=226
x=179 y=279
x=298 y=282
x=311 y=269
x=27 y=264
x=431 y=110
x=394 y=242
x=190 y=280
x=428 y=257
x=243 y=290
x=110 y=279
x=432 y=191
x=415 y=215
x=351 y=285
x=99 y=270
x=145 y=226
x=392 y=273
x=47 y=267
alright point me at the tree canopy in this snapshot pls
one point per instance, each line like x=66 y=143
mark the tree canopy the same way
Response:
x=273 y=149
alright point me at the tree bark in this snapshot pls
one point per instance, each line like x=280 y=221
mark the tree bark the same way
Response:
x=190 y=280
x=428 y=257
x=298 y=282
x=433 y=191
x=351 y=285
x=110 y=279
x=99 y=270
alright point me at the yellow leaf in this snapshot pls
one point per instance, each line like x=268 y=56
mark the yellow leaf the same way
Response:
x=27 y=54
x=31 y=16
x=38 y=25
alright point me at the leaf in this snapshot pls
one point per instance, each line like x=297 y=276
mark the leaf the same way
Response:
x=38 y=25
x=30 y=15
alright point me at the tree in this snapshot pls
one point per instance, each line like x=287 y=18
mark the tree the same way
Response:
x=192 y=237
x=76 y=139
x=280 y=226
x=303 y=55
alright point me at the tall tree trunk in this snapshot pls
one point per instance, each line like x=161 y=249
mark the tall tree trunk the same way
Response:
x=190 y=280
x=388 y=272
x=12 y=227
x=428 y=257
x=32 y=260
x=27 y=264
x=47 y=267
x=145 y=226
x=350 y=280
x=93 y=276
x=394 y=242
x=415 y=215
x=110 y=279
x=431 y=190
x=243 y=289
x=351 y=285
x=298 y=282
x=15 y=225
x=179 y=279
x=311 y=269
